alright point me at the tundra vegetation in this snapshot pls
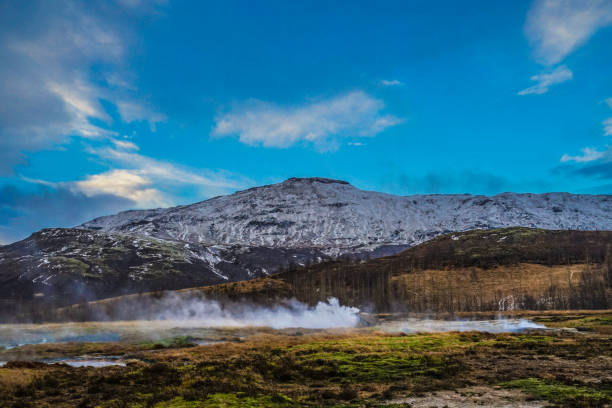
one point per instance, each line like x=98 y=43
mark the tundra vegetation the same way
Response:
x=337 y=368
x=515 y=272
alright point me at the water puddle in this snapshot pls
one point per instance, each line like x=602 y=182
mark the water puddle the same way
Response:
x=199 y=342
x=14 y=336
x=489 y=326
x=87 y=362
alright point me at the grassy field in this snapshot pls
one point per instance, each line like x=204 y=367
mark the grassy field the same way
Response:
x=350 y=368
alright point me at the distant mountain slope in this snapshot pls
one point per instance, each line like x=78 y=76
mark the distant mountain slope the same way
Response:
x=69 y=265
x=482 y=270
x=338 y=218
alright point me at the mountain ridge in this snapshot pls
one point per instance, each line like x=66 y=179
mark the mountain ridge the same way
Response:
x=259 y=231
x=332 y=213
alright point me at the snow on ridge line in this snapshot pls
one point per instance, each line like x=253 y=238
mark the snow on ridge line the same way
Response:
x=334 y=214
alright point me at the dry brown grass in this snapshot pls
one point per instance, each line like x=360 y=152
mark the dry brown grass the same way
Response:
x=327 y=369
x=501 y=285
x=11 y=378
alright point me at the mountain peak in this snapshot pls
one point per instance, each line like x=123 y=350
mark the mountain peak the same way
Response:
x=293 y=180
x=335 y=216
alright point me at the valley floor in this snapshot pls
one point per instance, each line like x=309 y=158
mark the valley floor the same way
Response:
x=364 y=367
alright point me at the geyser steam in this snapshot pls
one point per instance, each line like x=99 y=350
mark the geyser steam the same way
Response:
x=210 y=313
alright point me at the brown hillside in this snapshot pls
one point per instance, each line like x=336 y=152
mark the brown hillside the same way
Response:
x=475 y=270
x=484 y=270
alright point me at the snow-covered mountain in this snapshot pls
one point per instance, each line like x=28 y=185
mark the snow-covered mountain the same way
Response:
x=337 y=217
x=259 y=231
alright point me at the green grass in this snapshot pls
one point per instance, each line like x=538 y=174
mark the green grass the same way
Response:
x=379 y=359
x=175 y=342
x=362 y=370
x=562 y=395
x=75 y=266
x=598 y=323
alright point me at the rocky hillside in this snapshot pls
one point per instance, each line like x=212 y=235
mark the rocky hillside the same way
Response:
x=482 y=270
x=65 y=266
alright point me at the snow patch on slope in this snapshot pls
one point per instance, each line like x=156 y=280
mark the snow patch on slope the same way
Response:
x=335 y=215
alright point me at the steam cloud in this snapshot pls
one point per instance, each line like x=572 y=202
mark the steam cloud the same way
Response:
x=210 y=313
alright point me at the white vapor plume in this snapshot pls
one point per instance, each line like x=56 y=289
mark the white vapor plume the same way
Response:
x=210 y=313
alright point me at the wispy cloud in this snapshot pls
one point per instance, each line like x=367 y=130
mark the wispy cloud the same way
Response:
x=133 y=180
x=166 y=171
x=544 y=81
x=592 y=163
x=608 y=122
x=24 y=210
x=588 y=155
x=144 y=182
x=46 y=87
x=149 y=182
x=556 y=27
x=125 y=144
x=128 y=184
x=320 y=123
x=133 y=111
x=390 y=82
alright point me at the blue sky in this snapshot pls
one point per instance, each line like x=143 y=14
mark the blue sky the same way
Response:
x=112 y=105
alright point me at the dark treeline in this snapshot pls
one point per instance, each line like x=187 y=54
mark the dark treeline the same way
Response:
x=394 y=284
x=379 y=291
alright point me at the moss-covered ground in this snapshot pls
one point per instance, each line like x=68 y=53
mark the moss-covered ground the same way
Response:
x=563 y=394
x=360 y=368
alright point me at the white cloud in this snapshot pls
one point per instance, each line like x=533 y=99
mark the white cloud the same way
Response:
x=164 y=172
x=132 y=111
x=356 y=144
x=125 y=144
x=137 y=181
x=608 y=122
x=588 y=155
x=546 y=80
x=143 y=182
x=556 y=27
x=390 y=82
x=150 y=182
x=82 y=104
x=270 y=125
x=47 y=90
x=608 y=127
x=129 y=184
x=142 y=3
